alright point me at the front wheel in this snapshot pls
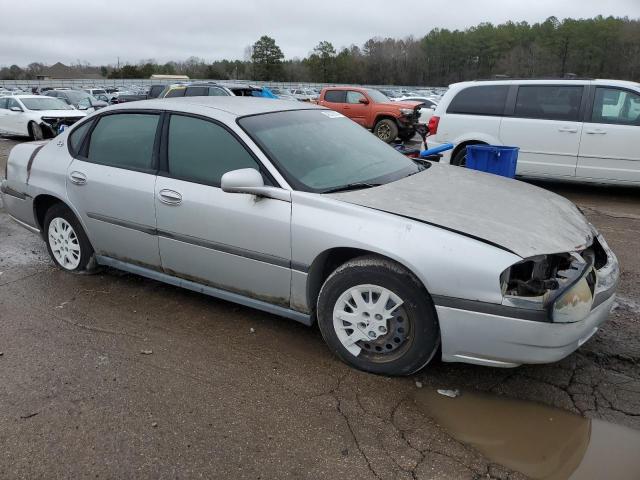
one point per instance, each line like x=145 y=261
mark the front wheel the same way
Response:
x=35 y=131
x=386 y=130
x=376 y=316
x=66 y=240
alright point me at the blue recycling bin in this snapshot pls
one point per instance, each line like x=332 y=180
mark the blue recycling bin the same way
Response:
x=494 y=159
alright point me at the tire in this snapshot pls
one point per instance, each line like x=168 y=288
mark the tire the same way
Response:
x=406 y=135
x=386 y=130
x=67 y=241
x=411 y=334
x=35 y=131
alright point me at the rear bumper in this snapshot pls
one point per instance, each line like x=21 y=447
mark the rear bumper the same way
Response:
x=493 y=340
x=19 y=206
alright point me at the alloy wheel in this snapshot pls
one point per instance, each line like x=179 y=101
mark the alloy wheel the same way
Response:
x=64 y=243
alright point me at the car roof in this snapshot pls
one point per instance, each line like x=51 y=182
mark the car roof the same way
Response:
x=546 y=81
x=237 y=106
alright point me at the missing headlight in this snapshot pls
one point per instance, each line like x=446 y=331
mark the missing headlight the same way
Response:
x=535 y=276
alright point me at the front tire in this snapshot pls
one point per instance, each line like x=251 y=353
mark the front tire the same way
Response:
x=376 y=316
x=386 y=130
x=67 y=242
x=35 y=131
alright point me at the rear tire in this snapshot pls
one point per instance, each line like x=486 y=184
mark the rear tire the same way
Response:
x=35 y=131
x=460 y=158
x=376 y=316
x=67 y=241
x=386 y=130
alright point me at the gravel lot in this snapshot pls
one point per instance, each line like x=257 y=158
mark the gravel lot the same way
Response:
x=230 y=392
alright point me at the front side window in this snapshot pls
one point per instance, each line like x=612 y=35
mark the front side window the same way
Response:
x=319 y=151
x=12 y=102
x=480 y=100
x=176 y=92
x=354 y=97
x=3 y=103
x=549 y=102
x=124 y=140
x=201 y=151
x=335 y=96
x=217 y=92
x=615 y=106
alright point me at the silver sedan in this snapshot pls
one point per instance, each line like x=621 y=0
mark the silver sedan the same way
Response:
x=296 y=210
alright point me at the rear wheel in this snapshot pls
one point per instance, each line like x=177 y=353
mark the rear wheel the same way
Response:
x=377 y=317
x=66 y=240
x=35 y=131
x=386 y=130
x=460 y=158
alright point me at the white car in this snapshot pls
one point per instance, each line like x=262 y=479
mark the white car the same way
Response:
x=35 y=116
x=579 y=130
x=304 y=94
x=426 y=112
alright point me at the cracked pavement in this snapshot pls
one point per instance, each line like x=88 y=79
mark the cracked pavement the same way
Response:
x=215 y=399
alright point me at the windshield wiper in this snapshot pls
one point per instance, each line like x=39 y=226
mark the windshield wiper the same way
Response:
x=352 y=186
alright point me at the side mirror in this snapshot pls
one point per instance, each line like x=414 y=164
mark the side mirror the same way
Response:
x=364 y=101
x=16 y=109
x=249 y=180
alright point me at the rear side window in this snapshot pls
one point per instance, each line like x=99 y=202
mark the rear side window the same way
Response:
x=124 y=141
x=202 y=151
x=549 y=102
x=77 y=136
x=176 y=92
x=480 y=100
x=335 y=96
x=196 y=92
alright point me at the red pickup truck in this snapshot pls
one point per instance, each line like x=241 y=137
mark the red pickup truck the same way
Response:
x=373 y=110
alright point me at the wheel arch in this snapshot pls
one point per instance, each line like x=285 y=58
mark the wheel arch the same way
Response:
x=42 y=203
x=465 y=144
x=329 y=260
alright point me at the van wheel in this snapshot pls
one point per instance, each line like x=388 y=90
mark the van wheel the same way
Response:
x=460 y=158
x=67 y=242
x=376 y=316
x=386 y=130
x=35 y=131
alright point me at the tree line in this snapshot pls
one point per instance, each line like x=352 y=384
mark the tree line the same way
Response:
x=597 y=47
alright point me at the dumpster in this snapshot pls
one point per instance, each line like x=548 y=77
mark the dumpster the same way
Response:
x=494 y=159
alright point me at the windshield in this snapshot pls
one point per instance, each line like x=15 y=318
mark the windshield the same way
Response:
x=44 y=103
x=321 y=150
x=377 y=96
x=76 y=95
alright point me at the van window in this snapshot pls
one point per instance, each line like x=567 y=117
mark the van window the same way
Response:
x=615 y=106
x=549 y=102
x=480 y=100
x=335 y=96
x=196 y=92
x=176 y=92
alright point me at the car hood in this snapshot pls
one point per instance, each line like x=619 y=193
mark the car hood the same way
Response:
x=60 y=113
x=514 y=215
x=406 y=104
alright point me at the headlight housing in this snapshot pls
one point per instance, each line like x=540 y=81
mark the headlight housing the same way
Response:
x=406 y=111
x=563 y=285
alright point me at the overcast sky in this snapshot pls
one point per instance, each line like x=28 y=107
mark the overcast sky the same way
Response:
x=98 y=31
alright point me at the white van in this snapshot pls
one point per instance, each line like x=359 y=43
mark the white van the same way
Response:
x=582 y=130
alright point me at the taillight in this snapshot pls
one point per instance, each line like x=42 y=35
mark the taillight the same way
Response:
x=433 y=125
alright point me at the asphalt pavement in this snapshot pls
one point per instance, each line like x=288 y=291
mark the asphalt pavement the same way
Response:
x=116 y=376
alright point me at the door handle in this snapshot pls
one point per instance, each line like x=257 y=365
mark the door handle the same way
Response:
x=596 y=131
x=78 y=178
x=568 y=129
x=169 y=197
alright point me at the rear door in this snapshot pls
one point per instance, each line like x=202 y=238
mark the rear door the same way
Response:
x=111 y=184
x=610 y=146
x=354 y=109
x=545 y=124
x=236 y=242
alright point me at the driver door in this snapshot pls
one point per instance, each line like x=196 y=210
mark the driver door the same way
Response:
x=232 y=241
x=354 y=109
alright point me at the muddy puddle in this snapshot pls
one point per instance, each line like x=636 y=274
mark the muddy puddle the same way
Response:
x=541 y=442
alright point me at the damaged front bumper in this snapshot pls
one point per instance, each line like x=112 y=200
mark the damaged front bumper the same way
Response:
x=53 y=125
x=509 y=335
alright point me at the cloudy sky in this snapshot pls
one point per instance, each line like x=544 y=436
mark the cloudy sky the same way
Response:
x=98 y=31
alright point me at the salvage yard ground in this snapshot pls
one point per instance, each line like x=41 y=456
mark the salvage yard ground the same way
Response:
x=116 y=376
